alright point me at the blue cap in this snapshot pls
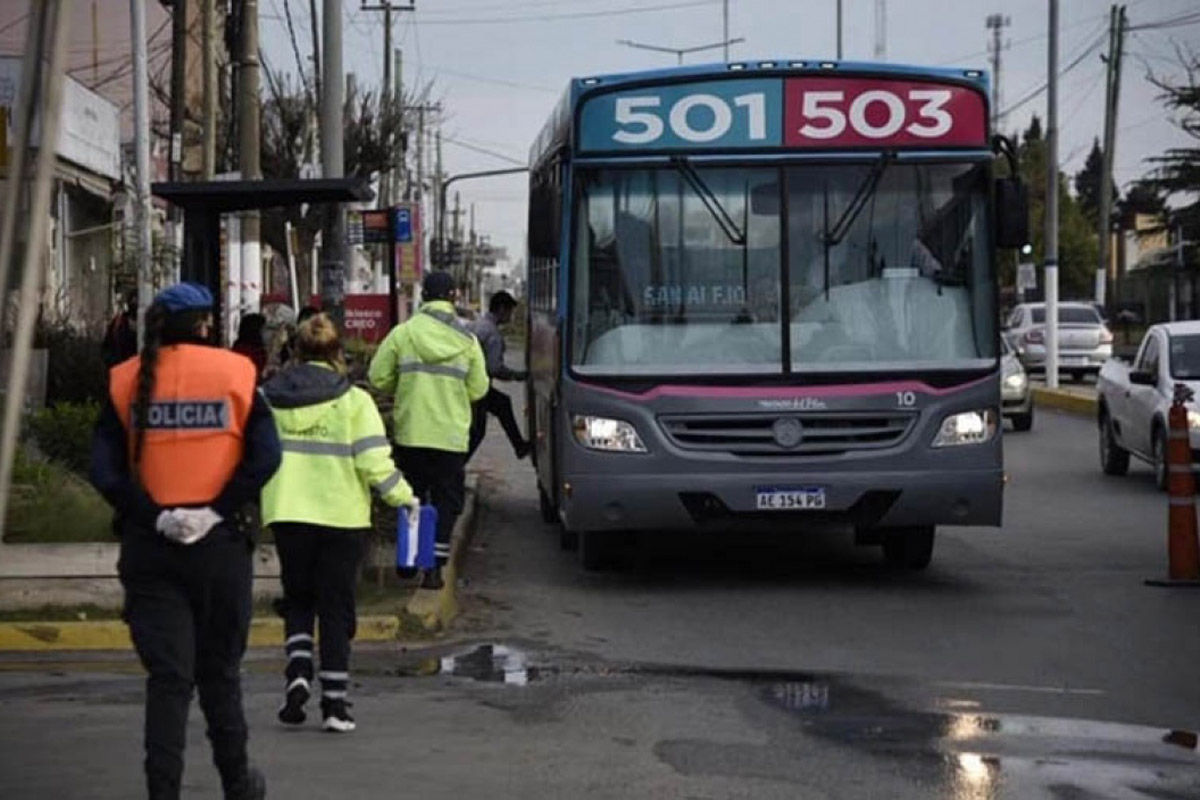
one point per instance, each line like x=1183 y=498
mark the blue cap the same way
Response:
x=185 y=297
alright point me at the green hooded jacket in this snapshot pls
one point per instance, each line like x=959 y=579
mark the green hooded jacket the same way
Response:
x=335 y=451
x=435 y=369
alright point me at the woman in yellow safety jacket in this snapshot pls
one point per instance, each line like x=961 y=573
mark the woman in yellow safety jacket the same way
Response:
x=318 y=505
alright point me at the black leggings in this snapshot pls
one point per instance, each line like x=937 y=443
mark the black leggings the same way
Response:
x=318 y=567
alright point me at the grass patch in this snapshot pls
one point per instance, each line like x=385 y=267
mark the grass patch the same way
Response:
x=83 y=613
x=49 y=503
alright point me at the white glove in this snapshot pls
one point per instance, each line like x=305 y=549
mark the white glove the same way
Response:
x=188 y=525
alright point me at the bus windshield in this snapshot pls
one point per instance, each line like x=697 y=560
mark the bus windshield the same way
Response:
x=846 y=267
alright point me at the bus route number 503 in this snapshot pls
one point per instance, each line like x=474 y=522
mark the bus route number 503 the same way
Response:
x=642 y=120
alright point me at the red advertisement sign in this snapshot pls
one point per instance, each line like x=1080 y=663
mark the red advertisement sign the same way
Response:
x=869 y=112
x=367 y=317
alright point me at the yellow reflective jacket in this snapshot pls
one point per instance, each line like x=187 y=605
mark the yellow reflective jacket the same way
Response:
x=334 y=451
x=435 y=368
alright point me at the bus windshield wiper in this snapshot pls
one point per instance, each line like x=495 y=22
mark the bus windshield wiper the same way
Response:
x=830 y=237
x=719 y=213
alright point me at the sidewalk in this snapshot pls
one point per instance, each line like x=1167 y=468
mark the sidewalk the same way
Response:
x=425 y=613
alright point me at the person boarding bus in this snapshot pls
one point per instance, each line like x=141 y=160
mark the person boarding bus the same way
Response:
x=183 y=443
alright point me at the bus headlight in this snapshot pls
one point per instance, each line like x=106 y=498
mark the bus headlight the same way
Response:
x=610 y=435
x=1016 y=381
x=969 y=427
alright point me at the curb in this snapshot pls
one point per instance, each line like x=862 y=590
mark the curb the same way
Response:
x=1065 y=401
x=431 y=611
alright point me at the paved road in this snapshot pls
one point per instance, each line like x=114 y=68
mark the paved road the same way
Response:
x=1028 y=662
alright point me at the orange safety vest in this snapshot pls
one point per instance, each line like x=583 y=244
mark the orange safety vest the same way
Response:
x=198 y=413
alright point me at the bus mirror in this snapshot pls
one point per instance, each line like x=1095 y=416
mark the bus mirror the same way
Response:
x=764 y=199
x=1012 y=213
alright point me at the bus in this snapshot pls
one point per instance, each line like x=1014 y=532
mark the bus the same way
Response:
x=764 y=294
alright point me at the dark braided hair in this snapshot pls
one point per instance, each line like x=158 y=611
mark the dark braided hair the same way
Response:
x=162 y=328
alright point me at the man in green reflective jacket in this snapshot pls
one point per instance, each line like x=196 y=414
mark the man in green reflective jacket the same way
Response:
x=435 y=369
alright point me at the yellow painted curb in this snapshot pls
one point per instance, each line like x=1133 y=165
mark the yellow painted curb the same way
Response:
x=114 y=634
x=1065 y=401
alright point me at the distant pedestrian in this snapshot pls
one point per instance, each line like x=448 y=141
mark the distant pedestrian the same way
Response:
x=286 y=352
x=250 y=342
x=318 y=506
x=433 y=366
x=182 y=444
x=488 y=330
x=121 y=338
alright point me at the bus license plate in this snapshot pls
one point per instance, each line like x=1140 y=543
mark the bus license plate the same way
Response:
x=803 y=499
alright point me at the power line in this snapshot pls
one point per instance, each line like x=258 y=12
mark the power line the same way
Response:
x=615 y=12
x=484 y=79
x=484 y=151
x=467 y=10
x=1035 y=93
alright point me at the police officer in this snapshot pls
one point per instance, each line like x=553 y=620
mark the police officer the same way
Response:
x=185 y=442
x=435 y=368
x=318 y=505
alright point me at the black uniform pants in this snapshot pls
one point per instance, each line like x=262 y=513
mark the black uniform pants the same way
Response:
x=188 y=609
x=500 y=406
x=318 y=566
x=438 y=479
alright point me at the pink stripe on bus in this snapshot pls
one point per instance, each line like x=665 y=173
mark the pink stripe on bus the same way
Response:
x=786 y=392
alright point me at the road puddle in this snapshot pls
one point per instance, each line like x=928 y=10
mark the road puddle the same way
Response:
x=486 y=663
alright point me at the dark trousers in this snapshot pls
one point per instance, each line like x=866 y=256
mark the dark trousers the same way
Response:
x=318 y=567
x=188 y=609
x=437 y=478
x=500 y=406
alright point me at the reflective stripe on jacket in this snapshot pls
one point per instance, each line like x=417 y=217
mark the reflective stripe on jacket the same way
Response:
x=335 y=451
x=435 y=369
x=196 y=422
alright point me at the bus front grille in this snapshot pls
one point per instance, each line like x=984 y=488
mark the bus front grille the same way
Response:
x=804 y=434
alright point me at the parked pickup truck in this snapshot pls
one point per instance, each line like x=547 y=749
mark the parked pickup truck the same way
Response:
x=1134 y=398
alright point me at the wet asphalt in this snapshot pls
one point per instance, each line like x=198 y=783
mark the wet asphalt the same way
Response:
x=1029 y=662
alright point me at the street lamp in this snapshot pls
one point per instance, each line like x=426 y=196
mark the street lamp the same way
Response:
x=680 y=51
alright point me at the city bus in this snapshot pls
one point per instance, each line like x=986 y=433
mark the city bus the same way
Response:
x=764 y=294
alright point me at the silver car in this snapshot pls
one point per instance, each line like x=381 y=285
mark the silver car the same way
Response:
x=1084 y=341
x=1015 y=394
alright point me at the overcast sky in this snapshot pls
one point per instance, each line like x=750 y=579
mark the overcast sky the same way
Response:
x=500 y=66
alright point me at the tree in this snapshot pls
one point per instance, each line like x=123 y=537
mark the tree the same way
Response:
x=1177 y=170
x=374 y=127
x=1088 y=183
x=1078 y=246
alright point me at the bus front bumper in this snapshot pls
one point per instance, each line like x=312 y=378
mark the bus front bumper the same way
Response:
x=605 y=502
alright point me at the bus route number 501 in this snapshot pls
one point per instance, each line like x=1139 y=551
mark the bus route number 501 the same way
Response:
x=643 y=122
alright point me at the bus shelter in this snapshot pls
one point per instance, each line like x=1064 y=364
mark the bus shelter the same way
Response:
x=203 y=203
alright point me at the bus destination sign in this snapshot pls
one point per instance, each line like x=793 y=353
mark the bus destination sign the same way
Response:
x=805 y=112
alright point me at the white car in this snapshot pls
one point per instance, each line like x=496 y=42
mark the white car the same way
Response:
x=1015 y=394
x=1084 y=341
x=1134 y=398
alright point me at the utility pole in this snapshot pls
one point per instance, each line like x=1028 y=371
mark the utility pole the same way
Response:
x=208 y=134
x=1116 y=46
x=880 y=30
x=386 y=180
x=141 y=137
x=725 y=27
x=249 y=161
x=179 y=37
x=997 y=23
x=316 y=56
x=333 y=236
x=1052 y=202
x=399 y=177
x=839 y=30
